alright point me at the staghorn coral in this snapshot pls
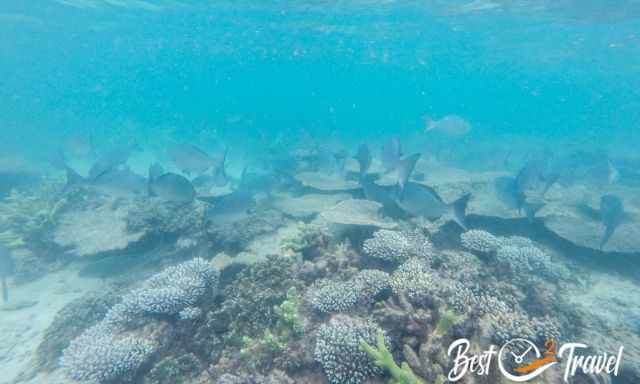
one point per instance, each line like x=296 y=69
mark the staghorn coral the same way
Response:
x=396 y=246
x=329 y=296
x=338 y=349
x=384 y=359
x=480 y=241
x=289 y=325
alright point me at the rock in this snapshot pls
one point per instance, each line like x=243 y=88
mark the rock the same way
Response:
x=326 y=182
x=357 y=212
x=93 y=231
x=307 y=205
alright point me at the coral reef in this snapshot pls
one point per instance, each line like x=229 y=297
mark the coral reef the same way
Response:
x=480 y=241
x=250 y=299
x=306 y=241
x=131 y=331
x=69 y=323
x=95 y=229
x=100 y=356
x=26 y=214
x=234 y=235
x=396 y=246
x=339 y=353
x=169 y=292
x=357 y=212
x=289 y=325
x=330 y=296
x=174 y=370
x=384 y=359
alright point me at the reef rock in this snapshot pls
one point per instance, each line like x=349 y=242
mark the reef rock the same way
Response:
x=357 y=212
x=326 y=182
x=89 y=232
x=307 y=205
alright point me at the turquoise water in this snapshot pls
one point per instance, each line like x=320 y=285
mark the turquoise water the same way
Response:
x=360 y=68
x=241 y=123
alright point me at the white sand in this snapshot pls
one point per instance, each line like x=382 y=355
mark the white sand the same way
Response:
x=22 y=330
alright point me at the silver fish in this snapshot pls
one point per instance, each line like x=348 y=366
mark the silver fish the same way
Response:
x=114 y=182
x=450 y=125
x=364 y=159
x=172 y=187
x=420 y=200
x=391 y=154
x=7 y=266
x=192 y=160
x=404 y=169
x=612 y=214
x=113 y=159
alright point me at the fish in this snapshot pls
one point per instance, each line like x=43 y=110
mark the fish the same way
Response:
x=155 y=170
x=171 y=187
x=377 y=193
x=450 y=125
x=391 y=154
x=421 y=200
x=192 y=160
x=508 y=192
x=241 y=200
x=404 y=169
x=114 y=182
x=528 y=178
x=612 y=215
x=113 y=159
x=549 y=181
x=364 y=159
x=613 y=175
x=77 y=145
x=7 y=266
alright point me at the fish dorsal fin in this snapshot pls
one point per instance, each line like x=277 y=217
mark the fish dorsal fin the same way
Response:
x=73 y=177
x=405 y=169
x=155 y=171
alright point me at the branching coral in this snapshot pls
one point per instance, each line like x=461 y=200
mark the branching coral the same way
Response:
x=384 y=359
x=114 y=349
x=336 y=296
x=396 y=246
x=480 y=241
x=289 y=325
x=338 y=349
x=98 y=355
x=167 y=293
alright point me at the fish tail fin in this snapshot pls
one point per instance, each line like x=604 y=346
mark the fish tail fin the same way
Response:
x=531 y=209
x=73 y=177
x=5 y=290
x=459 y=208
x=608 y=231
x=405 y=168
x=155 y=171
x=430 y=124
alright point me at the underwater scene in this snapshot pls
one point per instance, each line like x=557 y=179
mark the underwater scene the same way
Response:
x=323 y=192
